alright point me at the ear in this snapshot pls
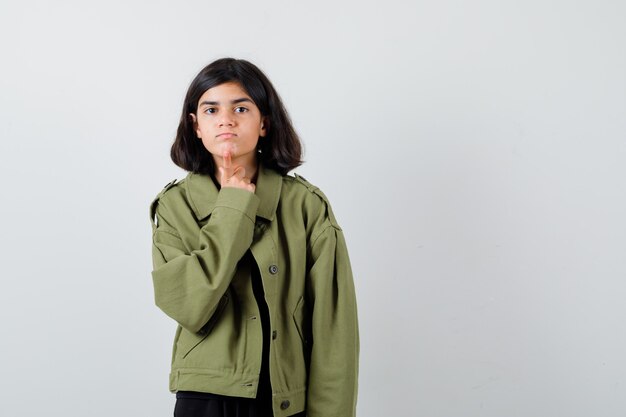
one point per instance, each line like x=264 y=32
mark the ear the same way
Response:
x=195 y=125
x=265 y=126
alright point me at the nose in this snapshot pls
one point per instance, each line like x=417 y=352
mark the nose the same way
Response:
x=225 y=120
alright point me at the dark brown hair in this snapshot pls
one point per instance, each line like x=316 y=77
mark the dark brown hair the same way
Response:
x=280 y=149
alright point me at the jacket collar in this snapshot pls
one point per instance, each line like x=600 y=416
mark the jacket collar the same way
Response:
x=202 y=193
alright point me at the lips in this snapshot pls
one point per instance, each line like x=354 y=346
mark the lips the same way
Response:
x=226 y=135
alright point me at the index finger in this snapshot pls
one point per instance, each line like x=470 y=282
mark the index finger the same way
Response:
x=227 y=160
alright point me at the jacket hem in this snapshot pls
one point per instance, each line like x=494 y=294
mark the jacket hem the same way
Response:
x=284 y=403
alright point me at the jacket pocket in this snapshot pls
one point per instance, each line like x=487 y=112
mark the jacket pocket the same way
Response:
x=302 y=322
x=188 y=340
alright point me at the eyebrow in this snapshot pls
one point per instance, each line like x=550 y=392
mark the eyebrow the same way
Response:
x=216 y=103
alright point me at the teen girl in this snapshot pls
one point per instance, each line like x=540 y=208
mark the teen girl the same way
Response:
x=250 y=262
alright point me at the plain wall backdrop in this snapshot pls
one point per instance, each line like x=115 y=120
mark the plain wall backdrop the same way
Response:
x=474 y=154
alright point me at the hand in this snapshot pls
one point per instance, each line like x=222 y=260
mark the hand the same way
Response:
x=234 y=177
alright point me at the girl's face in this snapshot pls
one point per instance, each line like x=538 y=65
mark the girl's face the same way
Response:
x=227 y=120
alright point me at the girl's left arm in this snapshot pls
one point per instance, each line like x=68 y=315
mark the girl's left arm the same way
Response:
x=333 y=373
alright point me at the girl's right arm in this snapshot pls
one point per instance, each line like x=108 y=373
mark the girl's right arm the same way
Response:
x=190 y=285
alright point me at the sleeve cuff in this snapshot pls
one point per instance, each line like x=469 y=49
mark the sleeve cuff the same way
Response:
x=240 y=200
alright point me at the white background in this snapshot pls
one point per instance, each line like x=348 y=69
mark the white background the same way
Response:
x=474 y=153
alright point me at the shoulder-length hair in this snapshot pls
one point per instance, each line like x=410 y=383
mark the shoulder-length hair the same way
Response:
x=280 y=149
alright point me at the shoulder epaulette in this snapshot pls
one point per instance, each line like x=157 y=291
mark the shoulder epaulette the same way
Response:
x=315 y=190
x=155 y=202
x=304 y=182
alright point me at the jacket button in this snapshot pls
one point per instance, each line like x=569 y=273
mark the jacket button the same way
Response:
x=274 y=334
x=273 y=269
x=285 y=405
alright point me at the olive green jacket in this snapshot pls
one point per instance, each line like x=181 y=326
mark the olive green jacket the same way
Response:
x=200 y=234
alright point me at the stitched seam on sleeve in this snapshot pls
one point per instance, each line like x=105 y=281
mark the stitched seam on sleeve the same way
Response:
x=316 y=238
x=236 y=209
x=169 y=232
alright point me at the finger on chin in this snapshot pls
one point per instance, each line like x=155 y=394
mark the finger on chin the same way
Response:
x=226 y=157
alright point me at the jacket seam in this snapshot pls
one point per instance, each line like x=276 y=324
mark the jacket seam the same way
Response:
x=168 y=231
x=236 y=209
x=314 y=240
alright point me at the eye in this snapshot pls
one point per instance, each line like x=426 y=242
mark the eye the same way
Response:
x=210 y=110
x=240 y=109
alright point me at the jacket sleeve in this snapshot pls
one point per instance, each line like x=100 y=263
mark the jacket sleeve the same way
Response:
x=190 y=285
x=333 y=373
